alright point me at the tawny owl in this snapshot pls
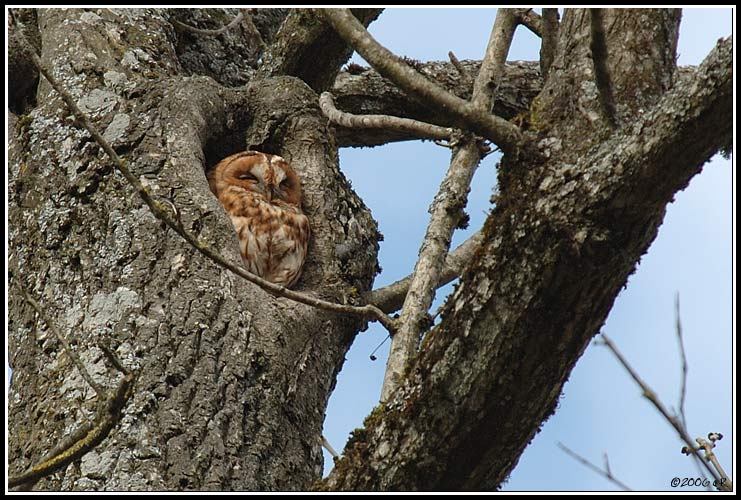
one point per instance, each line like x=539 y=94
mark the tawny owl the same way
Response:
x=262 y=195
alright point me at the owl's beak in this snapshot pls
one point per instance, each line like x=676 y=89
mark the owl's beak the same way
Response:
x=273 y=193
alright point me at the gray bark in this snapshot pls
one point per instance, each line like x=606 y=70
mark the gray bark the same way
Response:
x=233 y=383
x=569 y=226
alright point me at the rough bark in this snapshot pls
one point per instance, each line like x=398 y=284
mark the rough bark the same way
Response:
x=362 y=90
x=309 y=49
x=222 y=399
x=568 y=228
x=233 y=383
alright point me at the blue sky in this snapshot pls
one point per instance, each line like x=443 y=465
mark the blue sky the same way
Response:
x=601 y=410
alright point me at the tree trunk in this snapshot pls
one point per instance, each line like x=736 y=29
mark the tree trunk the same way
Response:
x=232 y=382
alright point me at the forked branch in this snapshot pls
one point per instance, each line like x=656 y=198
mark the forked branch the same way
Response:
x=446 y=211
x=675 y=422
x=461 y=113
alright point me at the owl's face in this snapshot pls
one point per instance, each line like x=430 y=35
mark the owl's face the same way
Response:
x=268 y=176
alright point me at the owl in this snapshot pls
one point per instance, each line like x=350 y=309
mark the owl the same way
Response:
x=262 y=195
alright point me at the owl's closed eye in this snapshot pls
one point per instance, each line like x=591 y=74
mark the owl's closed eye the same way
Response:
x=262 y=195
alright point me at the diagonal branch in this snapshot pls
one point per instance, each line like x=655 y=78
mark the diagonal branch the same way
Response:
x=390 y=298
x=531 y=20
x=162 y=212
x=651 y=396
x=445 y=212
x=90 y=434
x=85 y=438
x=67 y=348
x=361 y=90
x=680 y=340
x=461 y=113
x=606 y=472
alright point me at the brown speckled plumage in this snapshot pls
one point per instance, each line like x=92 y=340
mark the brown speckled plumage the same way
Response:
x=262 y=195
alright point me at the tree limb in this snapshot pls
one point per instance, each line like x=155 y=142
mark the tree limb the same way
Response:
x=90 y=434
x=471 y=396
x=361 y=90
x=390 y=298
x=651 y=396
x=403 y=125
x=445 y=212
x=531 y=20
x=461 y=113
x=606 y=472
x=67 y=348
x=86 y=438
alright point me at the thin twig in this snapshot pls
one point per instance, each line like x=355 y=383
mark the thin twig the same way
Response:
x=445 y=212
x=67 y=347
x=651 y=396
x=683 y=389
x=161 y=211
x=219 y=31
x=606 y=473
x=501 y=132
x=406 y=125
x=598 y=46
x=112 y=358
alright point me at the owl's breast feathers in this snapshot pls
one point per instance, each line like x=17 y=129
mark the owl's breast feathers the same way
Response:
x=273 y=236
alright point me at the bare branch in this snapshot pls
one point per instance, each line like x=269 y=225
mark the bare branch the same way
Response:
x=462 y=113
x=651 y=396
x=391 y=297
x=683 y=389
x=530 y=19
x=446 y=211
x=492 y=66
x=219 y=31
x=162 y=212
x=598 y=47
x=549 y=40
x=67 y=348
x=362 y=90
x=403 y=125
x=707 y=445
x=606 y=473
